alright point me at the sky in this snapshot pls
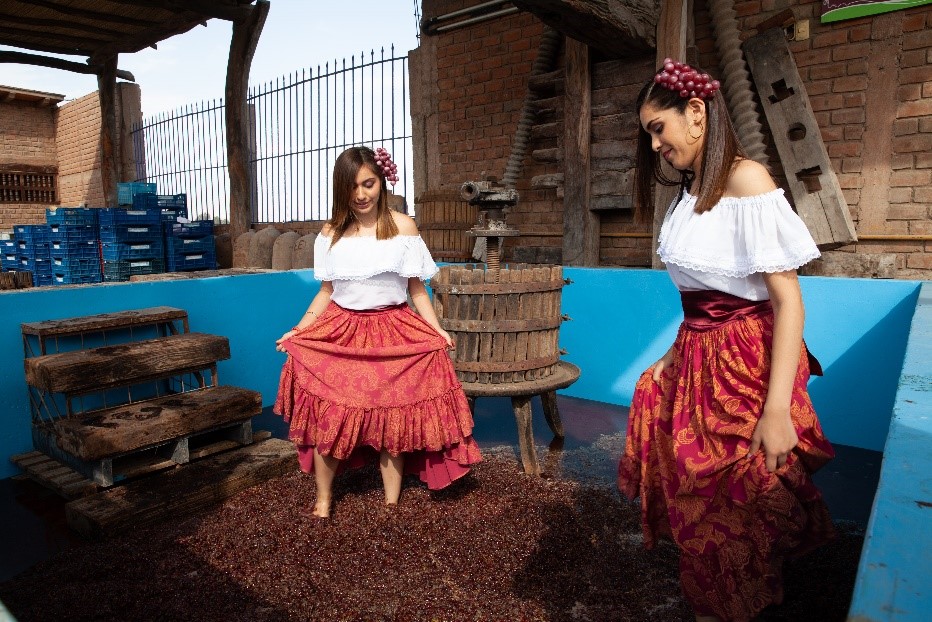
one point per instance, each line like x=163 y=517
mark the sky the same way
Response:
x=191 y=67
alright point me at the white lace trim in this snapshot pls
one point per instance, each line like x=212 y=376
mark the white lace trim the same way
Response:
x=740 y=236
x=361 y=258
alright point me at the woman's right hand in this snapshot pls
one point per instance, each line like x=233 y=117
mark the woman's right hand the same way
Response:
x=665 y=361
x=279 y=343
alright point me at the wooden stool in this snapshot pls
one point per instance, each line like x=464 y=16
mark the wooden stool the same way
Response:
x=521 y=393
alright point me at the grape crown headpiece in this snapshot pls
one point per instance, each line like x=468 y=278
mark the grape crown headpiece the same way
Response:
x=677 y=76
x=384 y=159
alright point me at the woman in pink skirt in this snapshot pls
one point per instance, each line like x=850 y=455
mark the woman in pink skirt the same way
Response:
x=722 y=437
x=367 y=377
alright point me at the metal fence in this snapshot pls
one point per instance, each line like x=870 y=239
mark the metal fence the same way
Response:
x=301 y=123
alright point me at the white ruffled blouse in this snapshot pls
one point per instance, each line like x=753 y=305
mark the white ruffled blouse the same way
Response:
x=729 y=247
x=368 y=273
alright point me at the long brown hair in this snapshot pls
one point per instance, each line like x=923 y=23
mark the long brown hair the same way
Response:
x=345 y=170
x=719 y=153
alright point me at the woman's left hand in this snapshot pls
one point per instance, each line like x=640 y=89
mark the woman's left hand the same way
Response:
x=446 y=336
x=776 y=435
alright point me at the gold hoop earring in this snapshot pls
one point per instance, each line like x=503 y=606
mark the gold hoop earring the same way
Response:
x=689 y=134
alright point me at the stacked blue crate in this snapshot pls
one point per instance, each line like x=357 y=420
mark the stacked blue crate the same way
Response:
x=127 y=190
x=171 y=205
x=8 y=260
x=190 y=246
x=131 y=242
x=73 y=245
x=32 y=252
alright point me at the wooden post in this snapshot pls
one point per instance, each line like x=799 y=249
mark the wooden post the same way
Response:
x=106 y=92
x=242 y=48
x=879 y=109
x=580 y=224
x=672 y=30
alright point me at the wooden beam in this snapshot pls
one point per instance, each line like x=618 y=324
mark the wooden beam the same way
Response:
x=580 y=224
x=102 y=17
x=879 y=108
x=817 y=196
x=106 y=92
x=672 y=33
x=149 y=37
x=59 y=63
x=230 y=11
x=242 y=48
x=70 y=24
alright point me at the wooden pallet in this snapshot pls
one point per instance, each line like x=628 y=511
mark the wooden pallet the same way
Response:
x=181 y=491
x=69 y=484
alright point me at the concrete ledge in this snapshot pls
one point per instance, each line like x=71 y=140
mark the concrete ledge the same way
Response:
x=894 y=578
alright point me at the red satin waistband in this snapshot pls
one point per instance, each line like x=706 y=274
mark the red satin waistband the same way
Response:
x=706 y=309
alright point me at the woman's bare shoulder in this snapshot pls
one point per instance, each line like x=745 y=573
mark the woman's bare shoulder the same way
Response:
x=326 y=229
x=749 y=178
x=406 y=224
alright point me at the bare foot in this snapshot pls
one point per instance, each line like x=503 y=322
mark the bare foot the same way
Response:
x=321 y=509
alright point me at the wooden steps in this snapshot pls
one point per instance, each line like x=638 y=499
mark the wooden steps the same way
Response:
x=106 y=321
x=180 y=491
x=116 y=431
x=95 y=369
x=179 y=441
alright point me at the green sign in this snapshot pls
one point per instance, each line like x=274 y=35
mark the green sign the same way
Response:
x=837 y=10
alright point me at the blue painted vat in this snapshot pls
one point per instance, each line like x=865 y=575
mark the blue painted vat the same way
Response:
x=874 y=339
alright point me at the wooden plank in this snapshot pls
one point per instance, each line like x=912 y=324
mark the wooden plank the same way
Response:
x=116 y=431
x=879 y=109
x=817 y=196
x=180 y=491
x=475 y=300
x=104 y=322
x=486 y=313
x=498 y=341
x=97 y=369
x=52 y=474
x=672 y=34
x=580 y=225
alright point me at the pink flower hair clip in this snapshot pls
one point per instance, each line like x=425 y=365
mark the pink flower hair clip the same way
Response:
x=677 y=76
x=384 y=159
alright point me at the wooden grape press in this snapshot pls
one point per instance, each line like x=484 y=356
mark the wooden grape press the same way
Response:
x=505 y=322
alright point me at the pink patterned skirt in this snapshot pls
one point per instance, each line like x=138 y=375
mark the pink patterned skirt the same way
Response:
x=685 y=456
x=359 y=382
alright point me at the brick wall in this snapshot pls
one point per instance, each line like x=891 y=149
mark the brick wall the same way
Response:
x=27 y=136
x=78 y=132
x=879 y=140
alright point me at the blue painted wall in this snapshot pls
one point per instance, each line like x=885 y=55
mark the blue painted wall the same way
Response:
x=623 y=320
x=894 y=579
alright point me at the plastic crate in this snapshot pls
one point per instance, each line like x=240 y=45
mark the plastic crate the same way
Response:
x=71 y=216
x=203 y=244
x=32 y=249
x=195 y=229
x=122 y=270
x=37 y=265
x=113 y=216
x=74 y=248
x=171 y=205
x=135 y=249
x=127 y=190
x=9 y=260
x=129 y=233
x=42 y=280
x=31 y=233
x=181 y=262
x=76 y=279
x=73 y=263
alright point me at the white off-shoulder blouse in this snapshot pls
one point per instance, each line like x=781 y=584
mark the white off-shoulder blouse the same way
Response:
x=729 y=247
x=368 y=273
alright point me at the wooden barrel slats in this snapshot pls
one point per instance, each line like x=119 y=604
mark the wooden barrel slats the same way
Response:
x=505 y=331
x=444 y=226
